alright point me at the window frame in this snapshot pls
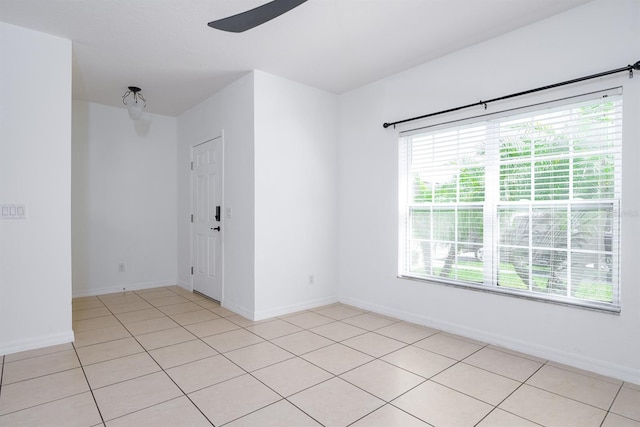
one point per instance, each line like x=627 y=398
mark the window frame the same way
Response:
x=493 y=205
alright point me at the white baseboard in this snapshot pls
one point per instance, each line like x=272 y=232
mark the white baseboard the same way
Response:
x=548 y=353
x=288 y=309
x=34 y=343
x=238 y=309
x=120 y=288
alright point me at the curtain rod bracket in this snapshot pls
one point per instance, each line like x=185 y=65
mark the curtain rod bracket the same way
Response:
x=635 y=66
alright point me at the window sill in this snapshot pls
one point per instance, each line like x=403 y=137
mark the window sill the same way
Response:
x=550 y=299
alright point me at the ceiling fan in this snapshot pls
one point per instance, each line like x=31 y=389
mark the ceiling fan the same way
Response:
x=252 y=18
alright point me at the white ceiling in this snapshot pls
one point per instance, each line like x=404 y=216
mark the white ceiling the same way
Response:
x=166 y=47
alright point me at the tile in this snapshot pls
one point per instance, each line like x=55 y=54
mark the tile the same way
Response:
x=338 y=331
x=382 y=379
x=129 y=306
x=338 y=312
x=302 y=342
x=441 y=406
x=216 y=308
x=281 y=413
x=586 y=373
x=243 y=321
x=126 y=397
x=418 y=361
x=83 y=339
x=33 y=367
x=139 y=315
x=273 y=329
x=514 y=367
x=179 y=308
x=168 y=300
x=176 y=412
x=369 y=322
x=550 y=409
x=389 y=416
x=258 y=356
x=147 y=291
x=475 y=382
x=95 y=323
x=448 y=346
x=406 y=332
x=182 y=353
x=232 y=340
x=194 y=317
x=83 y=304
x=221 y=311
x=337 y=358
x=108 y=350
x=291 y=376
x=517 y=353
x=191 y=296
x=187 y=294
x=575 y=386
x=164 y=338
x=37 y=352
x=117 y=370
x=336 y=402
x=151 y=325
x=627 y=403
x=120 y=298
x=308 y=320
x=90 y=313
x=500 y=418
x=155 y=293
x=232 y=399
x=632 y=386
x=615 y=420
x=56 y=413
x=204 y=373
x=208 y=304
x=29 y=393
x=211 y=327
x=373 y=344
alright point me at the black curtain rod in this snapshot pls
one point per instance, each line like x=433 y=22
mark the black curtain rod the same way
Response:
x=628 y=68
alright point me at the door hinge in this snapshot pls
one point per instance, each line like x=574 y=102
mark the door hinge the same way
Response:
x=191 y=217
x=191 y=165
x=192 y=271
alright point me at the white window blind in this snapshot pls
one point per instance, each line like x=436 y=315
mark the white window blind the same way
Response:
x=524 y=202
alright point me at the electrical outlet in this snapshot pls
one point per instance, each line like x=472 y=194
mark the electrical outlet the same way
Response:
x=121 y=267
x=312 y=279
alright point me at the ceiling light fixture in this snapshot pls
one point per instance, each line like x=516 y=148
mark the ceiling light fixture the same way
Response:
x=136 y=103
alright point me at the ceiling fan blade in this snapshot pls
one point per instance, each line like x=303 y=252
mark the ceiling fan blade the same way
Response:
x=252 y=18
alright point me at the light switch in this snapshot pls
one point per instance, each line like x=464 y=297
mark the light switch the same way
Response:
x=228 y=212
x=13 y=211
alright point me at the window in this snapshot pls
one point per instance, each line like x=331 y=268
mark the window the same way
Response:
x=525 y=202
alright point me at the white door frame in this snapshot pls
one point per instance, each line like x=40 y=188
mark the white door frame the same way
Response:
x=222 y=212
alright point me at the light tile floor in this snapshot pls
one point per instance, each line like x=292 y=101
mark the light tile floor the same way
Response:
x=167 y=357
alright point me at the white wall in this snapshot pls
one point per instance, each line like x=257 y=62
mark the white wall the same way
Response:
x=123 y=200
x=35 y=169
x=228 y=113
x=598 y=36
x=296 y=183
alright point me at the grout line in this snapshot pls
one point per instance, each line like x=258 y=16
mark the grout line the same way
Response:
x=161 y=370
x=294 y=356
x=88 y=384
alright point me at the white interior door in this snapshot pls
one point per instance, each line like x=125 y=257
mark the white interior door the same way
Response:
x=207 y=218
